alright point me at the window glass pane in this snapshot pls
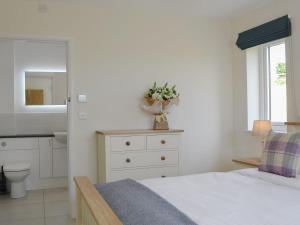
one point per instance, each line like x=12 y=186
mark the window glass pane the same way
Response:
x=278 y=96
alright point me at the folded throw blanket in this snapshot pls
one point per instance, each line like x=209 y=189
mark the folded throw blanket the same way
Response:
x=136 y=204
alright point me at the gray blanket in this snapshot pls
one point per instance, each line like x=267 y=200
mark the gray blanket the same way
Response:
x=136 y=204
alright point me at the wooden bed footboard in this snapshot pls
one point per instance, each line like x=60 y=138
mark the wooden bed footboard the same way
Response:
x=92 y=209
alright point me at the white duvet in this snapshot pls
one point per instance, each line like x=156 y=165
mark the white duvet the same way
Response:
x=243 y=197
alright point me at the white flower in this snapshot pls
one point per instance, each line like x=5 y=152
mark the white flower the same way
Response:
x=156 y=96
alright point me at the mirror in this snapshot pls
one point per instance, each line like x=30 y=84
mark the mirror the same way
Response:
x=45 y=88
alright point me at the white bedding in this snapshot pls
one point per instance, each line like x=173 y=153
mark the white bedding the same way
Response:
x=243 y=197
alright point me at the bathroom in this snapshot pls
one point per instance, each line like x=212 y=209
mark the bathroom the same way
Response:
x=33 y=117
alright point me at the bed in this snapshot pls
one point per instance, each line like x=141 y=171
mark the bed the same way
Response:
x=240 y=197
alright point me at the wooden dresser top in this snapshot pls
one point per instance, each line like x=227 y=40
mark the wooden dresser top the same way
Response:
x=146 y=131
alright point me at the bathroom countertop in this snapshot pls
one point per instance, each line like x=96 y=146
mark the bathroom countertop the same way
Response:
x=26 y=135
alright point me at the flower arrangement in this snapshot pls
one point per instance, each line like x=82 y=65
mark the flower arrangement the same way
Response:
x=159 y=101
x=163 y=93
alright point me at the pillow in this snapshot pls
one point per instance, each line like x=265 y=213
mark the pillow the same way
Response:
x=281 y=154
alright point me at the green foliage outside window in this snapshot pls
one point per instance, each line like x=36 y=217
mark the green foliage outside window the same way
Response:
x=281 y=74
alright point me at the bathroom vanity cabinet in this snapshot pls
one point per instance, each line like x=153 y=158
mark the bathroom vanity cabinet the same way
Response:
x=53 y=158
x=48 y=158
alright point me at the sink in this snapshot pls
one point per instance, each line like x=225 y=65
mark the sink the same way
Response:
x=61 y=136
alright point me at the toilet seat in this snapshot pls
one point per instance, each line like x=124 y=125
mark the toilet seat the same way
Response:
x=16 y=167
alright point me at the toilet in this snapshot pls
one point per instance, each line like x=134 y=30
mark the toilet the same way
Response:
x=16 y=174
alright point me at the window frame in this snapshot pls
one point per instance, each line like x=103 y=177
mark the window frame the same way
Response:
x=265 y=77
x=258 y=94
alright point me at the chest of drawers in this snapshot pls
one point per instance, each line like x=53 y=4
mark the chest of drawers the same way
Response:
x=137 y=154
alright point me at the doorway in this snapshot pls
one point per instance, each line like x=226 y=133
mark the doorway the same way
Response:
x=34 y=121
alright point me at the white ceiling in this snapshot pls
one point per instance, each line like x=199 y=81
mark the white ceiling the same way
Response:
x=230 y=8
x=207 y=8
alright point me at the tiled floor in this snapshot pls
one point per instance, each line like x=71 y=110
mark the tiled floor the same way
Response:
x=42 y=207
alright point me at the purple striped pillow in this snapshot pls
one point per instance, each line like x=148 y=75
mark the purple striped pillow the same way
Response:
x=281 y=154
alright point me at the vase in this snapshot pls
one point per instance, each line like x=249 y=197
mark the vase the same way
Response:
x=160 y=122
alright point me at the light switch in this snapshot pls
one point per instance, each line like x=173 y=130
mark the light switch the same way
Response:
x=82 y=98
x=83 y=115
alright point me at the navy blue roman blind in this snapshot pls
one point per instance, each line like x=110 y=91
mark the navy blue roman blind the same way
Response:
x=271 y=31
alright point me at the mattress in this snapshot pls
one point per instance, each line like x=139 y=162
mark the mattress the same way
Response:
x=243 y=197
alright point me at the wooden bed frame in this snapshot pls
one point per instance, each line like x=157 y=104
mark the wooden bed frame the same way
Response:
x=92 y=209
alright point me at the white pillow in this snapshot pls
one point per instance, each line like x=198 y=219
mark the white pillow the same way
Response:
x=272 y=178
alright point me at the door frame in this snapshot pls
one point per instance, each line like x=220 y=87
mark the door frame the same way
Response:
x=70 y=105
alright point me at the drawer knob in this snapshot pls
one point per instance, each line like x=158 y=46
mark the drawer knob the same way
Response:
x=127 y=143
x=163 y=142
x=3 y=144
x=163 y=158
x=128 y=160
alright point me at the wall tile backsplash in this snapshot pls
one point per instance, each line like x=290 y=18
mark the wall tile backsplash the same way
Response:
x=7 y=123
x=32 y=123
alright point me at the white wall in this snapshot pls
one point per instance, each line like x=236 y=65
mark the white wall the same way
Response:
x=245 y=144
x=117 y=51
x=7 y=80
x=6 y=86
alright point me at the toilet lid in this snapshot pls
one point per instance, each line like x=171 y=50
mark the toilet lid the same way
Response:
x=14 y=167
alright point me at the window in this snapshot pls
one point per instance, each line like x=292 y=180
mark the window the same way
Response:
x=267 y=82
x=276 y=107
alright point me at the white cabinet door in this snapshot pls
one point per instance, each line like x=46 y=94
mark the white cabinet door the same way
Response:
x=60 y=162
x=45 y=145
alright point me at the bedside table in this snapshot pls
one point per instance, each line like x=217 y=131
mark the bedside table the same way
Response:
x=250 y=162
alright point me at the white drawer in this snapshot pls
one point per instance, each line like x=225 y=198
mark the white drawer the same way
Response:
x=127 y=143
x=139 y=174
x=18 y=143
x=127 y=160
x=144 y=159
x=162 y=141
x=162 y=158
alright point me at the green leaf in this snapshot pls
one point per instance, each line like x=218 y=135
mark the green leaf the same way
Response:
x=281 y=74
x=154 y=85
